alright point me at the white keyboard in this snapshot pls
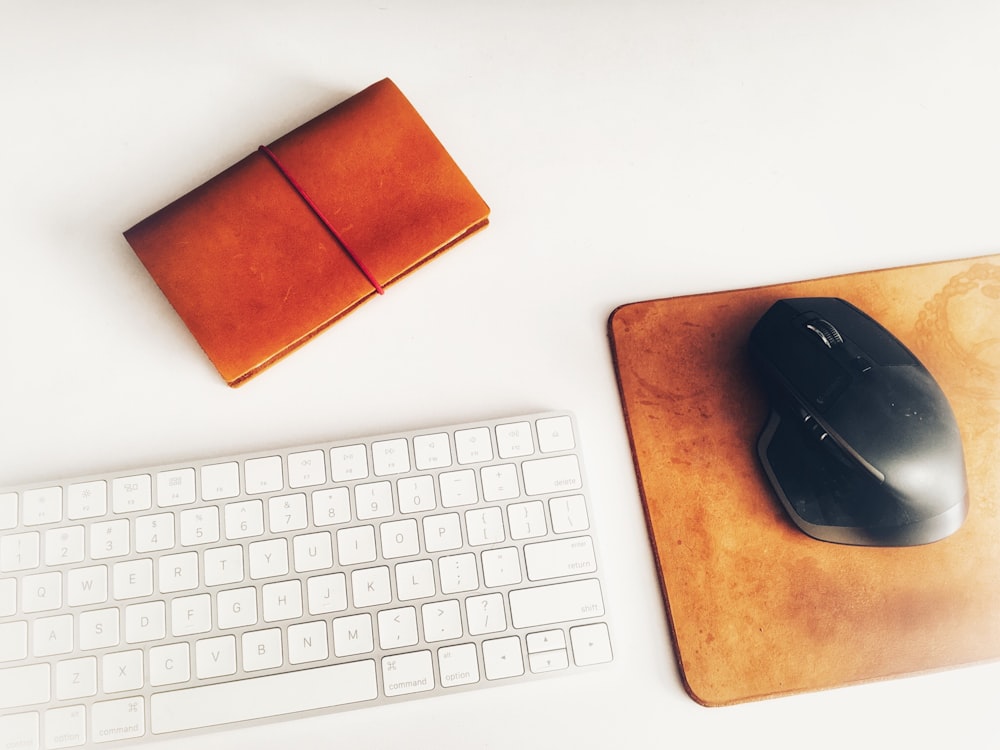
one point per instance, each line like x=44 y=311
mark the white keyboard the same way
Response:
x=292 y=582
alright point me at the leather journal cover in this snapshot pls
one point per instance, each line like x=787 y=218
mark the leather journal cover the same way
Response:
x=268 y=253
x=756 y=607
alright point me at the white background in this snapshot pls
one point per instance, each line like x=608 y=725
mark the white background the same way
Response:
x=628 y=150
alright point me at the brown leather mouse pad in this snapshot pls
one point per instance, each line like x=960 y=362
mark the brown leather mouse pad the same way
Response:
x=756 y=607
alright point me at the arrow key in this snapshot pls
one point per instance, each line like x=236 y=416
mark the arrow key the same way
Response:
x=502 y=658
x=591 y=644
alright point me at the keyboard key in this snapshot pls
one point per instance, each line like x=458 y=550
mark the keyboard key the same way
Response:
x=281 y=601
x=64 y=545
x=121 y=671
x=120 y=719
x=397 y=628
x=87 y=500
x=19 y=551
x=544 y=476
x=24 y=686
x=220 y=481
x=356 y=545
x=408 y=673
x=236 y=608
x=569 y=514
x=8 y=510
x=370 y=586
x=178 y=572
x=416 y=494
x=500 y=483
x=560 y=602
x=109 y=539
x=65 y=727
x=390 y=457
x=432 y=451
x=306 y=469
x=244 y=519
x=175 y=487
x=268 y=558
x=52 y=635
x=373 y=500
x=87 y=585
x=261 y=649
x=145 y=622
x=169 y=664
x=327 y=593
x=154 y=533
x=458 y=573
x=131 y=493
x=559 y=558
x=485 y=614
x=132 y=579
x=20 y=730
x=501 y=567
x=514 y=440
x=349 y=462
x=399 y=538
x=527 y=520
x=199 y=525
x=591 y=644
x=263 y=475
x=215 y=657
x=555 y=434
x=312 y=551
x=223 y=565
x=458 y=665
x=307 y=642
x=13 y=641
x=99 y=628
x=353 y=635
x=286 y=513
x=271 y=695
x=42 y=506
x=331 y=506
x=76 y=678
x=502 y=658
x=191 y=615
x=41 y=592
x=442 y=621
x=484 y=526
x=473 y=445
x=458 y=488
x=8 y=597
x=442 y=532
x=415 y=580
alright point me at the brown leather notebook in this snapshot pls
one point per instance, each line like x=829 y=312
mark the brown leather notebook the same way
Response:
x=271 y=251
x=756 y=607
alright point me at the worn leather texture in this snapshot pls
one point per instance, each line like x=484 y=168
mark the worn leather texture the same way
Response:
x=757 y=608
x=254 y=274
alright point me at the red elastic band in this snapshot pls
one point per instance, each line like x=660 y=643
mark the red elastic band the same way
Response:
x=319 y=215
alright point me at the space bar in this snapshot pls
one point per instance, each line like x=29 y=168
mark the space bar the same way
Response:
x=258 y=697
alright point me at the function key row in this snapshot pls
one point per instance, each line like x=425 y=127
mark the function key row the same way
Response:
x=266 y=474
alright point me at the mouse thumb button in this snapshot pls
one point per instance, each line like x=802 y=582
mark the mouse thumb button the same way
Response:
x=861 y=365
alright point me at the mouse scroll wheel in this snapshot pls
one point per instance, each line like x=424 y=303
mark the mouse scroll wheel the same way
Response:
x=826 y=331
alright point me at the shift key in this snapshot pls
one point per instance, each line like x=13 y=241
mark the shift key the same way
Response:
x=557 y=602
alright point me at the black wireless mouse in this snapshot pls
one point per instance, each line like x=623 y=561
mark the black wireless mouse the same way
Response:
x=861 y=445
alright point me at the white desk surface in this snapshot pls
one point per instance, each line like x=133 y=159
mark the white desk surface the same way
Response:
x=628 y=150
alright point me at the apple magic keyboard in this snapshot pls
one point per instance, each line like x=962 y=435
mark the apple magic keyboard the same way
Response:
x=290 y=582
